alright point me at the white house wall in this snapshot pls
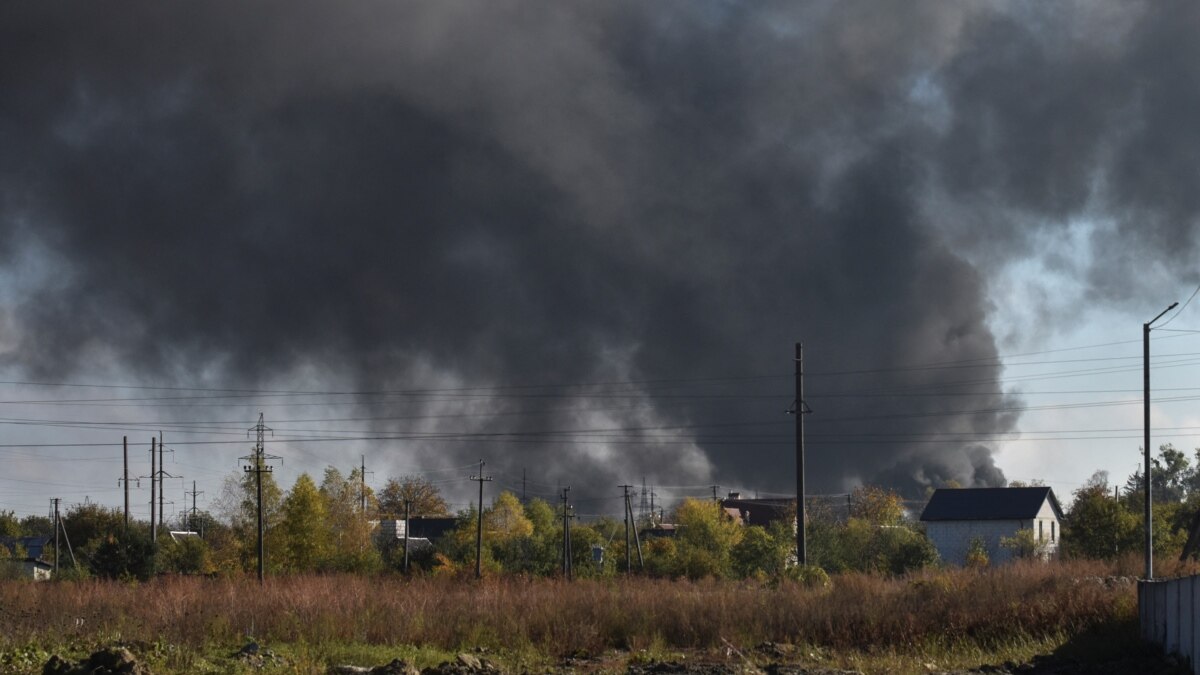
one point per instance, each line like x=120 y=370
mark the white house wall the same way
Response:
x=953 y=538
x=1051 y=529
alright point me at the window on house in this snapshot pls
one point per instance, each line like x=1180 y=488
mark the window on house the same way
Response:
x=1040 y=524
x=1052 y=524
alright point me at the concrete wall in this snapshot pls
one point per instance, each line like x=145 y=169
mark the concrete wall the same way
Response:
x=1166 y=614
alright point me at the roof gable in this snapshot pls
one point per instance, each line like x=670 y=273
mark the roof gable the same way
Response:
x=1014 y=503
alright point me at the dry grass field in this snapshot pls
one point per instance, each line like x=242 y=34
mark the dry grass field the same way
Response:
x=950 y=616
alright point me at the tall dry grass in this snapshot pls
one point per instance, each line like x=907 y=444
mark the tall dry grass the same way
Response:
x=856 y=612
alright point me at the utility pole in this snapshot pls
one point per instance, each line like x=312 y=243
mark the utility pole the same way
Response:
x=193 y=493
x=1146 y=439
x=628 y=556
x=637 y=542
x=481 y=479
x=60 y=527
x=161 y=473
x=714 y=489
x=125 y=477
x=258 y=466
x=407 y=520
x=162 y=488
x=363 y=486
x=153 y=486
x=55 y=502
x=800 y=410
x=566 y=545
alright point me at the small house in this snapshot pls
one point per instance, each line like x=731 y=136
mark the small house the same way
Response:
x=954 y=518
x=761 y=512
x=24 y=557
x=430 y=528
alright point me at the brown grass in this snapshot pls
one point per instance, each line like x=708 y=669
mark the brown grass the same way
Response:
x=858 y=612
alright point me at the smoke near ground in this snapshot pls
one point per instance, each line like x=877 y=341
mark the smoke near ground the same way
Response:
x=472 y=198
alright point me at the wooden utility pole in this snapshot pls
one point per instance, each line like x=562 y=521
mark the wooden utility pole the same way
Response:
x=162 y=488
x=125 y=477
x=637 y=540
x=407 y=521
x=55 y=501
x=153 y=487
x=628 y=553
x=481 y=479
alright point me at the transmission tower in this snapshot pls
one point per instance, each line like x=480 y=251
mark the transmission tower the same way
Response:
x=193 y=494
x=643 y=502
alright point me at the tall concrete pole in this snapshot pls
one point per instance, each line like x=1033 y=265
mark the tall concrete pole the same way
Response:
x=1149 y=518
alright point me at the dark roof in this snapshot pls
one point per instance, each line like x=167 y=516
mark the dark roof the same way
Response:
x=1013 y=503
x=33 y=545
x=431 y=528
x=762 y=511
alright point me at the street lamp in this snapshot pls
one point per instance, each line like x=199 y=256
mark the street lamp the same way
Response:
x=1146 y=439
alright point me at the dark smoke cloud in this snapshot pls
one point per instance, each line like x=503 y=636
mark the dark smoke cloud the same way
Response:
x=457 y=194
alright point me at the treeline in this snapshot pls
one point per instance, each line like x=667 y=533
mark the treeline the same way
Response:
x=328 y=527
x=1106 y=521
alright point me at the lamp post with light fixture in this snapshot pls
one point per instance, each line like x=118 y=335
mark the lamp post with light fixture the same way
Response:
x=1149 y=518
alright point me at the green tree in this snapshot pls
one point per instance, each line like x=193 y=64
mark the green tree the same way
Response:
x=458 y=545
x=505 y=519
x=759 y=553
x=1171 y=474
x=977 y=556
x=426 y=499
x=188 y=555
x=538 y=552
x=705 y=539
x=876 y=505
x=305 y=539
x=238 y=505
x=125 y=555
x=1099 y=525
x=351 y=547
x=875 y=539
x=659 y=554
x=88 y=526
x=1024 y=544
x=10 y=525
x=37 y=526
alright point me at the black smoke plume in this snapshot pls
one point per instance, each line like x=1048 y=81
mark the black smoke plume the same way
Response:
x=398 y=196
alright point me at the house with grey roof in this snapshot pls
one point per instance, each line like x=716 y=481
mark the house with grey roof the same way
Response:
x=954 y=518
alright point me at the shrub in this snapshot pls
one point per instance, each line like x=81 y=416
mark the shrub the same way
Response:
x=977 y=555
x=1024 y=545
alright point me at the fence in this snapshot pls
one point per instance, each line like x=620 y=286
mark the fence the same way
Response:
x=1167 y=612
